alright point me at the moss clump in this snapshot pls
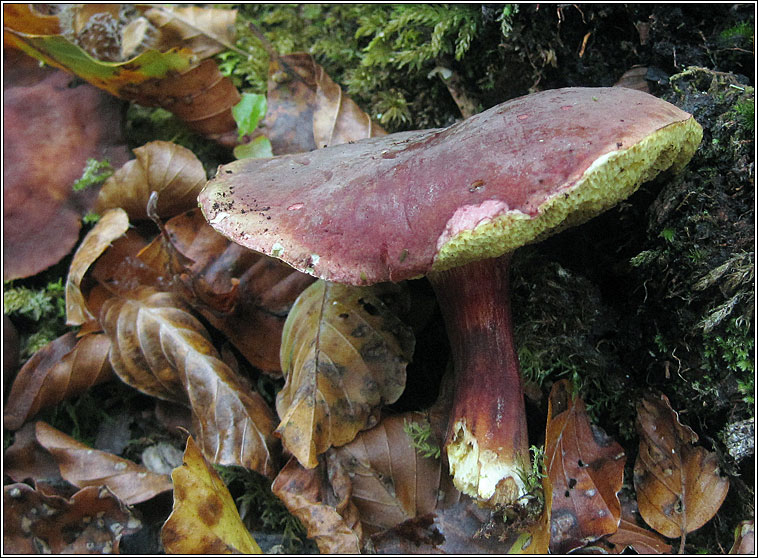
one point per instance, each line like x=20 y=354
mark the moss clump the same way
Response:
x=38 y=310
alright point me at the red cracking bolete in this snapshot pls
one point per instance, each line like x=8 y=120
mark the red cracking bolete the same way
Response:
x=453 y=204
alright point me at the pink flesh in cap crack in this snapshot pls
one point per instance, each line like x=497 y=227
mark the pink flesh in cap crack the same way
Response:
x=395 y=207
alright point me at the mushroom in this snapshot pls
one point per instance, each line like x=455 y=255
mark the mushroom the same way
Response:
x=453 y=204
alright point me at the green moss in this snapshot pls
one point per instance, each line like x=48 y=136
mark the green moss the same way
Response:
x=41 y=310
x=422 y=439
x=259 y=508
x=745 y=111
x=95 y=172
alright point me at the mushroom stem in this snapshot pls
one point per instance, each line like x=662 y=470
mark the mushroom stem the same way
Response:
x=487 y=442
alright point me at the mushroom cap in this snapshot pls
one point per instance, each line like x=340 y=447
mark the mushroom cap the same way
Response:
x=396 y=207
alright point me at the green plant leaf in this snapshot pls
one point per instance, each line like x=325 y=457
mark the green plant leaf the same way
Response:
x=249 y=112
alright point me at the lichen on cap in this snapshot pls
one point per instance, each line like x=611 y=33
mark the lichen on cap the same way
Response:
x=399 y=206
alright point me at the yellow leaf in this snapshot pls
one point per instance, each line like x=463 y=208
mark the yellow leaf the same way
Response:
x=204 y=519
x=344 y=353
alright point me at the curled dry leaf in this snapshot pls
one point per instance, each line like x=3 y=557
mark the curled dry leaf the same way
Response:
x=161 y=166
x=307 y=109
x=161 y=349
x=92 y=521
x=170 y=77
x=199 y=96
x=205 y=31
x=678 y=485
x=324 y=508
x=113 y=224
x=41 y=212
x=83 y=466
x=243 y=294
x=61 y=369
x=344 y=354
x=586 y=469
x=204 y=519
x=391 y=481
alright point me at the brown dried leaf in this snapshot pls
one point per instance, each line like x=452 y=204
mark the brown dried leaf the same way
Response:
x=205 y=31
x=160 y=348
x=204 y=519
x=83 y=466
x=586 y=469
x=200 y=96
x=391 y=481
x=324 y=508
x=26 y=459
x=161 y=166
x=678 y=485
x=243 y=294
x=41 y=212
x=91 y=522
x=61 y=369
x=113 y=224
x=462 y=529
x=307 y=109
x=344 y=354
x=642 y=540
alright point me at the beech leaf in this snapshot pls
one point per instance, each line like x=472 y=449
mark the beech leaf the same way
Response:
x=204 y=519
x=61 y=369
x=679 y=486
x=83 y=466
x=243 y=294
x=161 y=166
x=344 y=355
x=307 y=109
x=112 y=225
x=391 y=481
x=325 y=510
x=92 y=521
x=642 y=540
x=586 y=469
x=205 y=31
x=41 y=212
x=161 y=349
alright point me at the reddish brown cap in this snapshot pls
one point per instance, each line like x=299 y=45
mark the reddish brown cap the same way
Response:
x=396 y=207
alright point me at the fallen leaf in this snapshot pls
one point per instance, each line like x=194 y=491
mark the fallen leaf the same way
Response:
x=26 y=459
x=462 y=529
x=391 y=481
x=113 y=224
x=204 y=519
x=41 y=212
x=307 y=109
x=586 y=469
x=179 y=77
x=344 y=355
x=161 y=349
x=83 y=466
x=160 y=166
x=243 y=294
x=678 y=485
x=200 y=96
x=324 y=508
x=642 y=540
x=61 y=369
x=92 y=521
x=744 y=538
x=205 y=31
